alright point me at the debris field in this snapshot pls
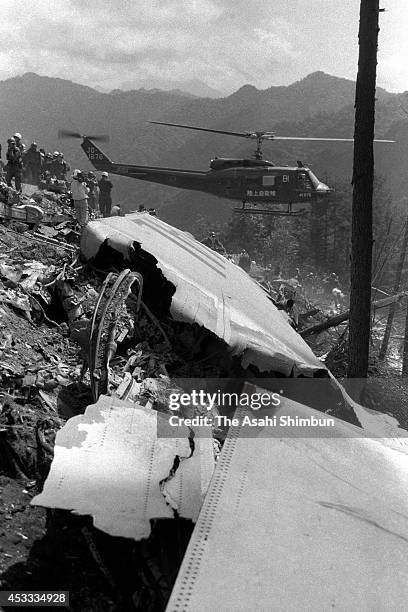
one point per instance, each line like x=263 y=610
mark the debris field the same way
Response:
x=94 y=337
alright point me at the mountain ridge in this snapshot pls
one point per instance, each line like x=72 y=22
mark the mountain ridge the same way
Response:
x=317 y=105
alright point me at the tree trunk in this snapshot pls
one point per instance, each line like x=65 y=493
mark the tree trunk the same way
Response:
x=363 y=175
x=405 y=352
x=335 y=232
x=397 y=282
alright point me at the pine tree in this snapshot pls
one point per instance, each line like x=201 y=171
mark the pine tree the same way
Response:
x=363 y=175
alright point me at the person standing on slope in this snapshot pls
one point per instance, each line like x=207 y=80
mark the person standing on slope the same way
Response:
x=105 y=198
x=14 y=167
x=80 y=192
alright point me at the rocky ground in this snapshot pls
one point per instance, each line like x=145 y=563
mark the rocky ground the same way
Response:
x=38 y=367
x=44 y=292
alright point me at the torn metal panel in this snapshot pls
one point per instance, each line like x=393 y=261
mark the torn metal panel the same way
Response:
x=312 y=524
x=210 y=290
x=185 y=492
x=378 y=423
x=109 y=463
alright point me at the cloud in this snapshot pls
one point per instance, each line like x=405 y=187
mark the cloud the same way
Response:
x=225 y=43
x=218 y=41
x=392 y=70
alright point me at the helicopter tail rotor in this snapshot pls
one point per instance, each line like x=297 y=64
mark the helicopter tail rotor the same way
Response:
x=96 y=138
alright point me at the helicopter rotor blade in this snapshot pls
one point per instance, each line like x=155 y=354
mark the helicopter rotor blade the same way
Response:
x=261 y=135
x=96 y=138
x=324 y=139
x=67 y=134
x=201 y=129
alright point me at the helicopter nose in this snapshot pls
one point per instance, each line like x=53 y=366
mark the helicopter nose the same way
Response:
x=323 y=189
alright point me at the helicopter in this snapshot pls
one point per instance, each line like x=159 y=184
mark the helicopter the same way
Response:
x=252 y=181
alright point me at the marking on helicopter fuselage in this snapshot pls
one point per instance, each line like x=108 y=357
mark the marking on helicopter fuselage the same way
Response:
x=261 y=193
x=94 y=154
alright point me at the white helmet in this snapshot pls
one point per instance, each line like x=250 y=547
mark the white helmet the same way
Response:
x=75 y=173
x=105 y=174
x=17 y=135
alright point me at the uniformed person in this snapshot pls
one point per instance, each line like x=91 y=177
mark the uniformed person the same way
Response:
x=32 y=164
x=244 y=261
x=14 y=167
x=105 y=198
x=79 y=191
x=214 y=243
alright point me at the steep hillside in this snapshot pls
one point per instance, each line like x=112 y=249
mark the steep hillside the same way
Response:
x=39 y=106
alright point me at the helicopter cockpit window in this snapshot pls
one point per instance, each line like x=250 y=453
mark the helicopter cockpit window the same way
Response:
x=314 y=179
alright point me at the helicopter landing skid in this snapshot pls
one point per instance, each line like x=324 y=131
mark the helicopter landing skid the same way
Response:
x=268 y=211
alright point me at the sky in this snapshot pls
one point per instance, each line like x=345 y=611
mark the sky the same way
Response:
x=224 y=43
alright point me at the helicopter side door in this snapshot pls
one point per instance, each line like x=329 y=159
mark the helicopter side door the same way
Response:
x=269 y=186
x=293 y=186
x=282 y=186
x=278 y=186
x=260 y=187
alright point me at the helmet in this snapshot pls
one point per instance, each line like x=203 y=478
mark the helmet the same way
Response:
x=18 y=135
x=34 y=144
x=75 y=173
x=60 y=155
x=56 y=153
x=48 y=156
x=105 y=174
x=11 y=140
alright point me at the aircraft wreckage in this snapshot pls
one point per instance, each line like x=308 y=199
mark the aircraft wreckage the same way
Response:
x=204 y=288
x=288 y=508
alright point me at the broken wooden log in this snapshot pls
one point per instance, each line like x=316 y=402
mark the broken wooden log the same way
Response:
x=309 y=313
x=342 y=317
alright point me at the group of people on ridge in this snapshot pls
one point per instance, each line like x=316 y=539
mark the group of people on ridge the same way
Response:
x=32 y=163
x=52 y=165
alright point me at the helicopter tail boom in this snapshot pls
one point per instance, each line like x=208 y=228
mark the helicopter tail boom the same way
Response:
x=172 y=177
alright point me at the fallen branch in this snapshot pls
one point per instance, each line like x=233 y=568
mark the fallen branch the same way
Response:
x=342 y=317
x=53 y=242
x=310 y=313
x=37 y=303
